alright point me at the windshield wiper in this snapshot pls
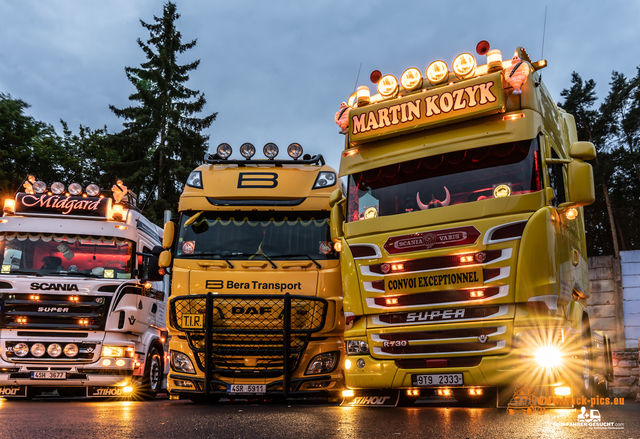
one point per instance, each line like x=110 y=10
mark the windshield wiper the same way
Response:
x=257 y=254
x=295 y=256
x=221 y=255
x=32 y=272
x=71 y=273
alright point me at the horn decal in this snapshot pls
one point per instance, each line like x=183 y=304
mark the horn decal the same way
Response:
x=434 y=203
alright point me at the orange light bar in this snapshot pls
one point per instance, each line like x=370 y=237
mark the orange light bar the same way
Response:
x=74 y=298
x=476 y=294
x=9 y=205
x=513 y=116
x=392 y=301
x=397 y=267
x=349 y=152
x=83 y=322
x=467 y=258
x=21 y=320
x=34 y=297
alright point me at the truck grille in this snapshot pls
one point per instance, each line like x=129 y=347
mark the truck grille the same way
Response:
x=250 y=335
x=53 y=311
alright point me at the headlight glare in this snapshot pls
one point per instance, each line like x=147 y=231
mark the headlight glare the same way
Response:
x=323 y=363
x=181 y=362
x=548 y=356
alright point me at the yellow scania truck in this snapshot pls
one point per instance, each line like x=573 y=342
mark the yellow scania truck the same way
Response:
x=463 y=246
x=256 y=299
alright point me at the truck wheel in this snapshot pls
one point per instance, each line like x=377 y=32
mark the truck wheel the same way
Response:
x=152 y=378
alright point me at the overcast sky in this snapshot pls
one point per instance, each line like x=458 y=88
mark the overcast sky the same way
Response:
x=276 y=71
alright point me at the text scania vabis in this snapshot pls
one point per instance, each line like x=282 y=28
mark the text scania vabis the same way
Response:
x=256 y=307
x=82 y=305
x=464 y=231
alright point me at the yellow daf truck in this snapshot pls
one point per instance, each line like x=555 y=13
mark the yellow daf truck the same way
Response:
x=462 y=230
x=256 y=298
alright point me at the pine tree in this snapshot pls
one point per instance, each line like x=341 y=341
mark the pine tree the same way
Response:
x=162 y=140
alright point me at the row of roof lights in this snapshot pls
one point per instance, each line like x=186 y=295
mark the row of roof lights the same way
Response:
x=40 y=187
x=270 y=150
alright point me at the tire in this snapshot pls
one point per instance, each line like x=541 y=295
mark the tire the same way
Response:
x=152 y=378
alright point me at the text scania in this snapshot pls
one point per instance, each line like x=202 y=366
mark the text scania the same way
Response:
x=431 y=106
x=432 y=281
x=54 y=287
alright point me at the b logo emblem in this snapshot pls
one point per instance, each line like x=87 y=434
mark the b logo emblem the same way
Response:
x=260 y=180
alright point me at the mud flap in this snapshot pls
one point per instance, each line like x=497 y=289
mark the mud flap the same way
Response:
x=13 y=391
x=372 y=398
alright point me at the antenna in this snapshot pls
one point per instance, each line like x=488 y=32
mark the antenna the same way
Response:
x=357 y=77
x=544 y=30
x=147 y=200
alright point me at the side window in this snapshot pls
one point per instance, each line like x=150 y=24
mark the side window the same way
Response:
x=557 y=180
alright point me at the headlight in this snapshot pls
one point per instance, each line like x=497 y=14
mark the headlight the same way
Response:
x=549 y=356
x=38 y=350
x=224 y=151
x=195 y=179
x=181 y=362
x=545 y=346
x=118 y=351
x=357 y=347
x=323 y=363
x=71 y=350
x=21 y=349
x=54 y=350
x=325 y=179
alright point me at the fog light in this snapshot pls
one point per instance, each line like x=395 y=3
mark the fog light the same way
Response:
x=347 y=363
x=182 y=383
x=54 y=350
x=120 y=363
x=128 y=389
x=562 y=391
x=347 y=393
x=21 y=349
x=71 y=350
x=38 y=350
x=413 y=392
x=106 y=362
x=360 y=363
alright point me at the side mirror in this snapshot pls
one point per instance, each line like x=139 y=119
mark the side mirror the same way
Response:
x=580 y=179
x=337 y=215
x=582 y=151
x=165 y=259
x=150 y=269
x=169 y=234
x=335 y=197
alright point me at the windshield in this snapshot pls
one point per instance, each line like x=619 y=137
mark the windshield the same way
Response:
x=48 y=254
x=255 y=235
x=446 y=179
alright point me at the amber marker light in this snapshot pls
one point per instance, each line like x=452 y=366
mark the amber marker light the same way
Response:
x=147 y=285
x=513 y=116
x=411 y=79
x=466 y=258
x=337 y=246
x=571 y=214
x=74 y=298
x=9 y=206
x=397 y=267
x=476 y=294
x=388 y=86
x=363 y=96
x=347 y=393
x=349 y=152
x=34 y=297
x=464 y=65
x=391 y=301
x=121 y=227
x=437 y=72
x=21 y=320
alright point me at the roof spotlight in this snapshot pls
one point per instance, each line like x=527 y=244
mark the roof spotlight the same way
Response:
x=75 y=189
x=93 y=190
x=464 y=65
x=270 y=150
x=411 y=79
x=39 y=187
x=294 y=150
x=437 y=72
x=388 y=86
x=247 y=150
x=224 y=151
x=57 y=188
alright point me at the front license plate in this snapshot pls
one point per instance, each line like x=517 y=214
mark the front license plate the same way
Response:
x=46 y=375
x=247 y=389
x=437 y=380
